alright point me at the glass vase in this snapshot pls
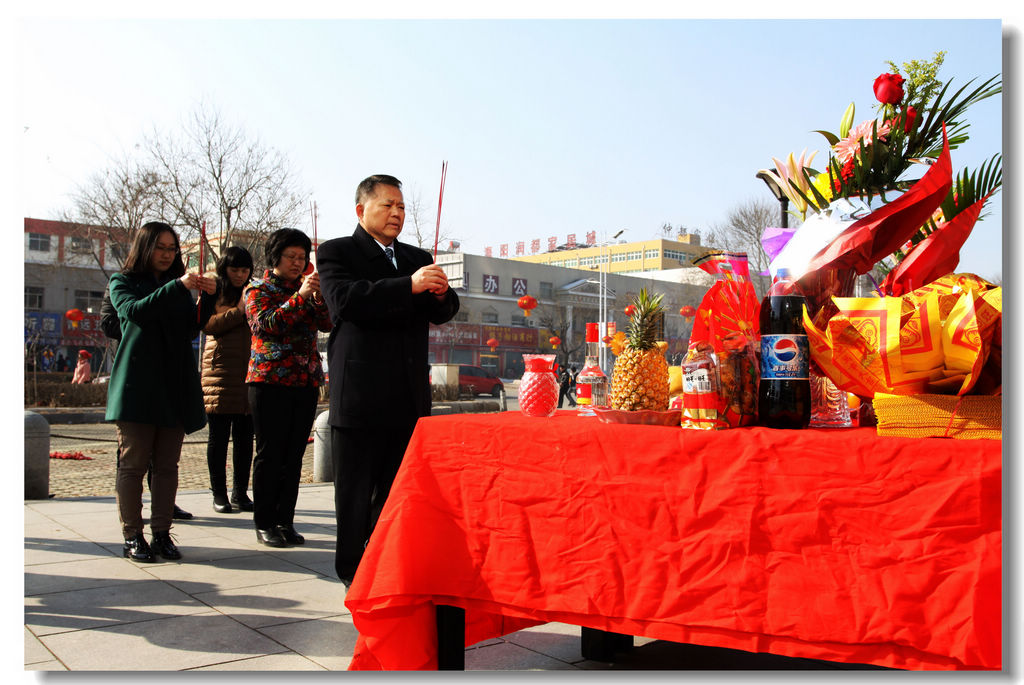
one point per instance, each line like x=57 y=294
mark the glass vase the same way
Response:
x=538 y=389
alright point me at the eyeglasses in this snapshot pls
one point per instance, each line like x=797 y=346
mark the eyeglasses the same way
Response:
x=168 y=249
x=294 y=257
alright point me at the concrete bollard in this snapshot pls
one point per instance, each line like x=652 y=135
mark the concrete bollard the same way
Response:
x=323 y=467
x=37 y=456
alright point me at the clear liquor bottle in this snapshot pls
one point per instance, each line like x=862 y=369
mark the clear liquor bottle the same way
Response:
x=591 y=383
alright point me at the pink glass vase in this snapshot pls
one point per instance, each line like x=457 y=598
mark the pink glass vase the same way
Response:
x=538 y=389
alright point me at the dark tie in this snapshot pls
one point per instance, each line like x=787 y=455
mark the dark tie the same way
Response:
x=390 y=255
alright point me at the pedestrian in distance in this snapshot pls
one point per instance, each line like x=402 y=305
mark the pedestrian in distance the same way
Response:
x=285 y=311
x=382 y=295
x=571 y=395
x=153 y=393
x=83 y=372
x=225 y=363
x=563 y=385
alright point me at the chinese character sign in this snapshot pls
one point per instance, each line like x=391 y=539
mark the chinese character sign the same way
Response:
x=535 y=246
x=487 y=252
x=552 y=243
x=490 y=284
x=570 y=240
x=591 y=237
x=519 y=286
x=520 y=248
x=504 y=250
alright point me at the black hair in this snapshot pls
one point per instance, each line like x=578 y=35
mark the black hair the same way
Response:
x=367 y=188
x=283 y=238
x=233 y=257
x=140 y=256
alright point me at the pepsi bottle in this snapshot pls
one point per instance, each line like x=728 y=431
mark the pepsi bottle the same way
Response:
x=784 y=393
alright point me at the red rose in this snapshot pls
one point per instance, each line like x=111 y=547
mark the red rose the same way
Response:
x=889 y=88
x=911 y=118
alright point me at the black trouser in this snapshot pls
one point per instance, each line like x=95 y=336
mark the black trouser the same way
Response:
x=365 y=463
x=239 y=428
x=282 y=417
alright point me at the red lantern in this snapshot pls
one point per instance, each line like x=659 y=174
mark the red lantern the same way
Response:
x=688 y=312
x=526 y=303
x=629 y=310
x=555 y=341
x=492 y=343
x=74 y=316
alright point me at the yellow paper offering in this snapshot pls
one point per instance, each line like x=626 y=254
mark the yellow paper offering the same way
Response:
x=934 y=339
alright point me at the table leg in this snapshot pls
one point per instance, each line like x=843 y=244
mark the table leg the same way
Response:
x=600 y=645
x=451 y=638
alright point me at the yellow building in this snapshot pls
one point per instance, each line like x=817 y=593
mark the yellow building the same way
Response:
x=643 y=255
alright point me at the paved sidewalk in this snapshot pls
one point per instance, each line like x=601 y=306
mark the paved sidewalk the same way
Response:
x=232 y=604
x=229 y=604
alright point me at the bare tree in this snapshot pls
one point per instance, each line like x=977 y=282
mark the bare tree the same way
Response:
x=423 y=220
x=112 y=204
x=555 y=318
x=216 y=172
x=742 y=231
x=209 y=171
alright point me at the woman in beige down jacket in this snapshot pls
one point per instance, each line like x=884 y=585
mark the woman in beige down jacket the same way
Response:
x=225 y=360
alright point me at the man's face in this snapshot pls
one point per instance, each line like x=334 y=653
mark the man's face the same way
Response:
x=383 y=213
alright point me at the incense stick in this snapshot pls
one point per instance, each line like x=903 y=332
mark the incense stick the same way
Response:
x=440 y=198
x=312 y=214
x=202 y=255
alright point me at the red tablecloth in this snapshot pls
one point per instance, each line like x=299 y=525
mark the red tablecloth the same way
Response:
x=835 y=545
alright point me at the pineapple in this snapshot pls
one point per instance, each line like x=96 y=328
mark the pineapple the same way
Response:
x=640 y=377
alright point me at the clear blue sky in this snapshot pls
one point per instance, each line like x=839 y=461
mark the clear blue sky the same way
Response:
x=550 y=127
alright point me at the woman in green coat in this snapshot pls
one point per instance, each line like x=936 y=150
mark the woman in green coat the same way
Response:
x=153 y=394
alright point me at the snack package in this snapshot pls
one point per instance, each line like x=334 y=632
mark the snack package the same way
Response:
x=727 y=322
x=701 y=401
x=943 y=338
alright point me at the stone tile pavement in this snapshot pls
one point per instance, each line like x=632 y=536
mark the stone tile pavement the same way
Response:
x=229 y=604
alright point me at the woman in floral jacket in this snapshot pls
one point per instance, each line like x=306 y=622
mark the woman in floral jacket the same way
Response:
x=284 y=311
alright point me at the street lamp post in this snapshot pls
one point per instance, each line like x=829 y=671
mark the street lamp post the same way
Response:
x=602 y=277
x=779 y=195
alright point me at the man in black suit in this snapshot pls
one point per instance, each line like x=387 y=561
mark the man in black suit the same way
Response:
x=382 y=295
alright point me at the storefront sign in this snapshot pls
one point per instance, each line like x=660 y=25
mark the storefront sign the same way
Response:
x=511 y=335
x=43 y=327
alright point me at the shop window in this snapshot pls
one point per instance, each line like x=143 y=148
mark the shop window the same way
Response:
x=89 y=300
x=80 y=245
x=34 y=297
x=39 y=242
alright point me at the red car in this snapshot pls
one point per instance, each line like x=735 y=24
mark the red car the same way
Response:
x=482 y=382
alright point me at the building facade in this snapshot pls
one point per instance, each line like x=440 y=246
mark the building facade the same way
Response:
x=67 y=267
x=625 y=257
x=567 y=299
